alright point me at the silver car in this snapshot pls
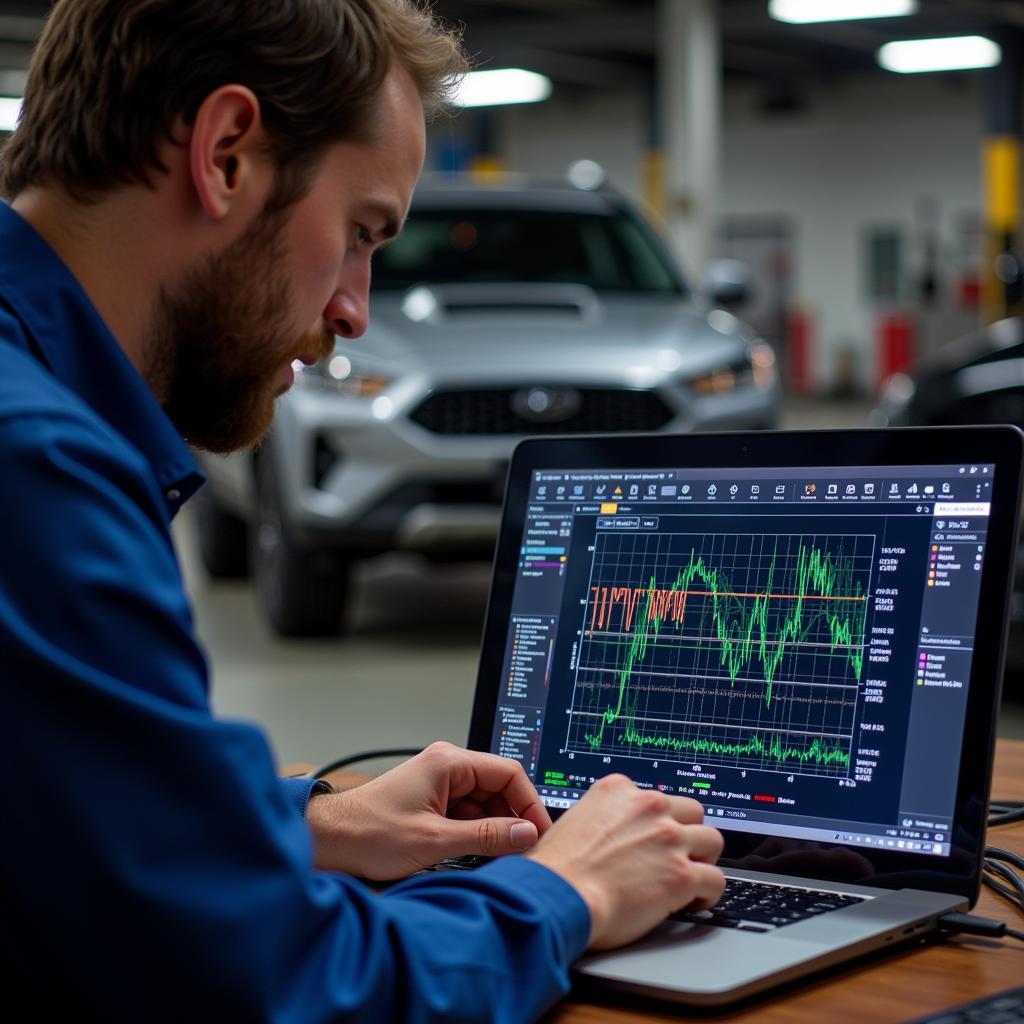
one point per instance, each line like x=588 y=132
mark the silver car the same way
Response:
x=499 y=312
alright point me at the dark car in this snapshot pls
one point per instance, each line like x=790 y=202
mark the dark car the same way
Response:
x=975 y=379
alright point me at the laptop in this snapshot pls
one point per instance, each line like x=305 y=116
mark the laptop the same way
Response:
x=804 y=631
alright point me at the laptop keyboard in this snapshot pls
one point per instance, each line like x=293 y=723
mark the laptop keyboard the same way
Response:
x=762 y=907
x=748 y=906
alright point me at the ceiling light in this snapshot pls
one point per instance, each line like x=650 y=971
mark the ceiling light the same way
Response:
x=805 y=12
x=501 y=86
x=956 y=53
x=10 y=111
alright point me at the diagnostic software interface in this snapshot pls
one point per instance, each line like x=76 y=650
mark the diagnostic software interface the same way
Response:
x=790 y=647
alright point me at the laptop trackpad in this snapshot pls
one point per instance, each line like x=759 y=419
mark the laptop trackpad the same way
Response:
x=698 y=962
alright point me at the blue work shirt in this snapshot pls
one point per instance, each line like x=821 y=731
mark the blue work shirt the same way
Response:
x=154 y=866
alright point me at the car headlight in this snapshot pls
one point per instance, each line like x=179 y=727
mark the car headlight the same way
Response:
x=338 y=373
x=756 y=369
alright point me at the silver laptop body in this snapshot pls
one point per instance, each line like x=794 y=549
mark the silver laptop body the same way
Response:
x=805 y=631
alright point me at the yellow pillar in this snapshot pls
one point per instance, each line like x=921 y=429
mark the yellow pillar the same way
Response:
x=652 y=174
x=1001 y=170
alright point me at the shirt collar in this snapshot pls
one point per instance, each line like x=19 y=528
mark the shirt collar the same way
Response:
x=82 y=354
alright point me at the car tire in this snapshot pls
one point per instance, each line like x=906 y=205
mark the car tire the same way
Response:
x=302 y=593
x=222 y=539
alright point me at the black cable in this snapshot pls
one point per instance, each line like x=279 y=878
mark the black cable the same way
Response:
x=1005 y=812
x=969 y=924
x=996 y=875
x=366 y=755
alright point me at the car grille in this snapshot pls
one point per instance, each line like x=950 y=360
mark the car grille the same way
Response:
x=491 y=411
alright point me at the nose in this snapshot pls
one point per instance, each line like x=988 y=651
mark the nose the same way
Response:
x=348 y=312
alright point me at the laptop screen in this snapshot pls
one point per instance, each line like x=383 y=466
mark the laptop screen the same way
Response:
x=792 y=647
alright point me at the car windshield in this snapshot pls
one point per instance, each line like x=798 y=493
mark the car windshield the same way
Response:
x=465 y=246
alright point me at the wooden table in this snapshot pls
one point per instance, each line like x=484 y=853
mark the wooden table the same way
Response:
x=890 y=989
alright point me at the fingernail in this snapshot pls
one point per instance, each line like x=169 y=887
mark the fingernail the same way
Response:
x=522 y=835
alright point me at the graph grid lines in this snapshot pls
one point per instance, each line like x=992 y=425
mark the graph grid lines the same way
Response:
x=742 y=649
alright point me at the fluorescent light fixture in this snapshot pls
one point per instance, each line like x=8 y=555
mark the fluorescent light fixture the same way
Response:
x=501 y=86
x=806 y=12
x=10 y=110
x=955 y=53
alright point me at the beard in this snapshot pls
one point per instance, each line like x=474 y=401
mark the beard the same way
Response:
x=219 y=342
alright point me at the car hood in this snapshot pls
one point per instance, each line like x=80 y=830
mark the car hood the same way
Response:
x=504 y=330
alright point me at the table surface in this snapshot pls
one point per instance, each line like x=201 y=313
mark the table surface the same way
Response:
x=894 y=988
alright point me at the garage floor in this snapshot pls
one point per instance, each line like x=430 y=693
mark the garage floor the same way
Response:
x=405 y=672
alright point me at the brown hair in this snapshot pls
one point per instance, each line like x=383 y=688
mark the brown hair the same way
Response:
x=109 y=79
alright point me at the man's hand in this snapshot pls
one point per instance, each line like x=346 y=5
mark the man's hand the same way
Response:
x=444 y=802
x=634 y=856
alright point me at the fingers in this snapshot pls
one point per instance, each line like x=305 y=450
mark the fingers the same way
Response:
x=486 y=836
x=475 y=806
x=484 y=776
x=703 y=844
x=709 y=886
x=685 y=811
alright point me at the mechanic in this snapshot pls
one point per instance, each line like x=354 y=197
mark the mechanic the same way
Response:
x=193 y=195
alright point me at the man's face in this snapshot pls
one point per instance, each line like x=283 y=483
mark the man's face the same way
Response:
x=225 y=337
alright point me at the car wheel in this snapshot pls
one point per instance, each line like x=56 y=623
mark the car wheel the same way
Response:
x=223 y=539
x=302 y=593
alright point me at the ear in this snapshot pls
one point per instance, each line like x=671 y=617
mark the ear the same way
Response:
x=227 y=155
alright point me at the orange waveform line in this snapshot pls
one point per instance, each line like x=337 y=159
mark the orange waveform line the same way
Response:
x=673 y=601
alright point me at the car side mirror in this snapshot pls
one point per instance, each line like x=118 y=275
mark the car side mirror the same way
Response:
x=728 y=283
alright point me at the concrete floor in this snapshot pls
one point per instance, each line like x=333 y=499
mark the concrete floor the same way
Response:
x=405 y=671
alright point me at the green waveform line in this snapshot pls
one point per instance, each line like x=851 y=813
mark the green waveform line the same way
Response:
x=754 y=746
x=745 y=635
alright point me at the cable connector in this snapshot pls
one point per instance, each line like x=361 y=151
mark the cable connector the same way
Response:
x=970 y=924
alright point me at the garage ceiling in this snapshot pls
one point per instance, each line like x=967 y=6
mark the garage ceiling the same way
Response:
x=596 y=45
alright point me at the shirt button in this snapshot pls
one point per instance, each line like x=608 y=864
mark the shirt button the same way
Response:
x=173 y=494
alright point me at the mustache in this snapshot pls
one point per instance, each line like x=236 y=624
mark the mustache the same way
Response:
x=319 y=340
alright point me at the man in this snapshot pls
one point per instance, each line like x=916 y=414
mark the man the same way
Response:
x=195 y=191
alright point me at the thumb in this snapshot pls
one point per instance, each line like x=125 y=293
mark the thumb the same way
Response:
x=489 y=837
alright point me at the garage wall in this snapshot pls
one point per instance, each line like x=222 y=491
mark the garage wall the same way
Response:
x=874 y=155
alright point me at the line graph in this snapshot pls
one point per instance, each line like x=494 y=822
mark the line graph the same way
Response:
x=733 y=648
